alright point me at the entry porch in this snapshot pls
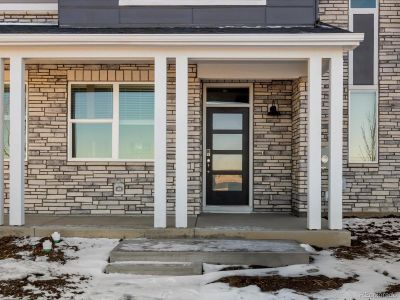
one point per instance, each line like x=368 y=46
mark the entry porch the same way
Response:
x=204 y=226
x=313 y=50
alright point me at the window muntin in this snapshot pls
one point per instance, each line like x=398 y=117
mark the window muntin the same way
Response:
x=363 y=4
x=363 y=127
x=112 y=122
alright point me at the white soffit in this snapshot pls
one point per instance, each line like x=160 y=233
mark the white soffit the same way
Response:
x=190 y=2
x=28 y=6
x=252 y=70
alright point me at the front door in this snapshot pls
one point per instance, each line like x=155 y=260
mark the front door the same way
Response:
x=227 y=156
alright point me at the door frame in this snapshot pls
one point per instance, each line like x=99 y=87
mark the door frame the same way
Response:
x=236 y=208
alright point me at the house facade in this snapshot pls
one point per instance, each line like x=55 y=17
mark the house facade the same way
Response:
x=130 y=107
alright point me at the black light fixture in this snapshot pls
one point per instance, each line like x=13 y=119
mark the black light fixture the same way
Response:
x=273 y=110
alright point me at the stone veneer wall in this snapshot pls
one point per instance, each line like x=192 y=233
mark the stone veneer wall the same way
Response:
x=299 y=146
x=28 y=17
x=55 y=185
x=373 y=188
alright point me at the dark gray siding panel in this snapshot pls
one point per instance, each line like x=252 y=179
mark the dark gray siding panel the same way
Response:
x=87 y=17
x=108 y=13
x=155 y=16
x=294 y=3
x=229 y=16
x=363 y=57
x=290 y=16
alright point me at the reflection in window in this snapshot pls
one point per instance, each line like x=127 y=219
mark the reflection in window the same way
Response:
x=227 y=142
x=363 y=131
x=363 y=3
x=227 y=162
x=227 y=121
x=136 y=123
x=91 y=140
x=92 y=102
x=227 y=183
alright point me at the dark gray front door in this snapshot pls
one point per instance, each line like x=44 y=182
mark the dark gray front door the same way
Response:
x=227 y=156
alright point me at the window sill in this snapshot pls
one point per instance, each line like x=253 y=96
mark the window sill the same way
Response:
x=106 y=161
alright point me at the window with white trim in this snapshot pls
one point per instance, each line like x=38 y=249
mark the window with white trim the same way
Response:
x=111 y=122
x=363 y=127
x=363 y=81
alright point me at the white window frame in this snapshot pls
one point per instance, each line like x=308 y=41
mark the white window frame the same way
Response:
x=191 y=2
x=7 y=83
x=365 y=88
x=114 y=121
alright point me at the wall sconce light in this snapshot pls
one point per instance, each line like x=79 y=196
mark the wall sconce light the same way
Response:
x=273 y=110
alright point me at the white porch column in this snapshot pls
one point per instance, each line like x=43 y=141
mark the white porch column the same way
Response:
x=1 y=141
x=17 y=140
x=181 y=141
x=336 y=143
x=314 y=142
x=160 y=142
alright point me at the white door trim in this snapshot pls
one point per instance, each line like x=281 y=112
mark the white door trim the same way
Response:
x=239 y=208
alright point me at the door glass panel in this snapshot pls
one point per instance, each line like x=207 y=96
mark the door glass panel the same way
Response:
x=225 y=183
x=227 y=121
x=227 y=162
x=227 y=142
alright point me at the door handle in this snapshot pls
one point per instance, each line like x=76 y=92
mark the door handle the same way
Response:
x=208 y=159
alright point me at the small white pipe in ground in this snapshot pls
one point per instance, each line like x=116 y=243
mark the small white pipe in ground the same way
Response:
x=47 y=246
x=56 y=236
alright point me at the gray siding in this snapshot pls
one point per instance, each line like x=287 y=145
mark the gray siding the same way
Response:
x=107 y=13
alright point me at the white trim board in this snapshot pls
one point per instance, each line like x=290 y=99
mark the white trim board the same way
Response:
x=191 y=2
x=28 y=6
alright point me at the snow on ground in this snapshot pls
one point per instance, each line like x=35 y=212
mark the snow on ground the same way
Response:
x=374 y=274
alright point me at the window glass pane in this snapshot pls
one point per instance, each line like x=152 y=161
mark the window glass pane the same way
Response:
x=136 y=125
x=224 y=183
x=6 y=129
x=236 y=95
x=92 y=102
x=363 y=3
x=227 y=162
x=227 y=121
x=227 y=142
x=363 y=127
x=91 y=141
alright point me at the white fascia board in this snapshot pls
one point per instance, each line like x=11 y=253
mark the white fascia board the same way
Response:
x=190 y=2
x=348 y=41
x=28 y=7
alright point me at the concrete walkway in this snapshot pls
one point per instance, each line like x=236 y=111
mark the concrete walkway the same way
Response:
x=226 y=226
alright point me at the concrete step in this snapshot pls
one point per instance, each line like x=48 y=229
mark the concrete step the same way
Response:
x=271 y=253
x=155 y=268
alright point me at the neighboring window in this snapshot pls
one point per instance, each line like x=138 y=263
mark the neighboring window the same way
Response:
x=363 y=131
x=6 y=128
x=363 y=3
x=112 y=121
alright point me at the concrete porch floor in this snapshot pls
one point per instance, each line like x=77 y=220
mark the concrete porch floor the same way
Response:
x=234 y=226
